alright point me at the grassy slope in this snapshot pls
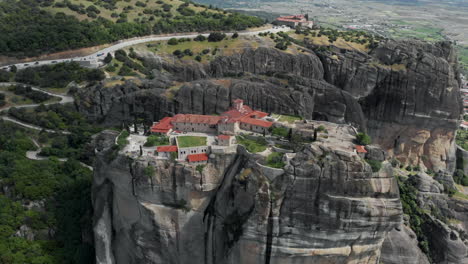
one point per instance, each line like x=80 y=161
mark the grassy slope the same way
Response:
x=135 y=12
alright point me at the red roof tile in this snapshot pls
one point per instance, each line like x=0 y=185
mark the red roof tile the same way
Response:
x=258 y=114
x=234 y=113
x=256 y=122
x=224 y=137
x=197 y=157
x=196 y=119
x=360 y=149
x=163 y=126
x=166 y=149
x=297 y=18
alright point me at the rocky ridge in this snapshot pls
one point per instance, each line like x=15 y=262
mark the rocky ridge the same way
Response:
x=325 y=206
x=404 y=94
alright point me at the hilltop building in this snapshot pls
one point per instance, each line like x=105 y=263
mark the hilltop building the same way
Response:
x=294 y=21
x=239 y=117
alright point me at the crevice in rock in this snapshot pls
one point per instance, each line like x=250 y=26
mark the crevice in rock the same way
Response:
x=269 y=235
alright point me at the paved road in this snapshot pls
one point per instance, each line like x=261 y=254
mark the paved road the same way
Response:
x=34 y=155
x=95 y=60
x=64 y=100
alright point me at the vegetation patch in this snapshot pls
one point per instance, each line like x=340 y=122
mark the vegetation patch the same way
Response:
x=122 y=139
x=375 y=165
x=363 y=139
x=191 y=141
x=418 y=218
x=64 y=187
x=280 y=131
x=58 y=75
x=290 y=119
x=155 y=140
x=462 y=139
x=30 y=28
x=275 y=160
x=253 y=146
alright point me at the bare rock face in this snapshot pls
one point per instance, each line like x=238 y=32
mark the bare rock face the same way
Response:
x=326 y=206
x=410 y=96
x=405 y=94
x=401 y=246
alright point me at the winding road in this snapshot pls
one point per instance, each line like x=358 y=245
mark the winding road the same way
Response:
x=95 y=60
x=34 y=155
x=64 y=99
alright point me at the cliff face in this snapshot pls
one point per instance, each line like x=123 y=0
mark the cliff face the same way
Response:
x=326 y=206
x=405 y=94
x=409 y=93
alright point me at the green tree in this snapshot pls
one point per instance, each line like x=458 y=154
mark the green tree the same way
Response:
x=363 y=139
x=108 y=58
x=173 y=41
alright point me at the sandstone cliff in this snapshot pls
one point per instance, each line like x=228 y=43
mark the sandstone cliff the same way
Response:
x=405 y=94
x=326 y=206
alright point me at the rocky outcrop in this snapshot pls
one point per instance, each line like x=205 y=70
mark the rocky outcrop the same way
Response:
x=401 y=246
x=409 y=92
x=327 y=207
x=405 y=93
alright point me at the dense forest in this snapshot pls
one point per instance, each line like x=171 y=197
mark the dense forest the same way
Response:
x=45 y=209
x=30 y=28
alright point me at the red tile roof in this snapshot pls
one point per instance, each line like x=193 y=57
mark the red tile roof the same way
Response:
x=166 y=149
x=360 y=149
x=297 y=18
x=224 y=137
x=197 y=157
x=465 y=123
x=258 y=114
x=256 y=122
x=234 y=113
x=163 y=126
x=196 y=119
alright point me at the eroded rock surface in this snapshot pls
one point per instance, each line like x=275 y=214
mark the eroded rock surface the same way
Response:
x=327 y=207
x=405 y=94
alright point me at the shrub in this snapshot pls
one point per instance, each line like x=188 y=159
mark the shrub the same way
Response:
x=121 y=55
x=322 y=129
x=216 y=37
x=122 y=139
x=200 y=38
x=200 y=168
x=275 y=160
x=126 y=71
x=375 y=165
x=108 y=58
x=149 y=171
x=173 y=41
x=198 y=58
x=154 y=140
x=363 y=139
x=460 y=177
x=280 y=131
x=188 y=52
x=235 y=35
